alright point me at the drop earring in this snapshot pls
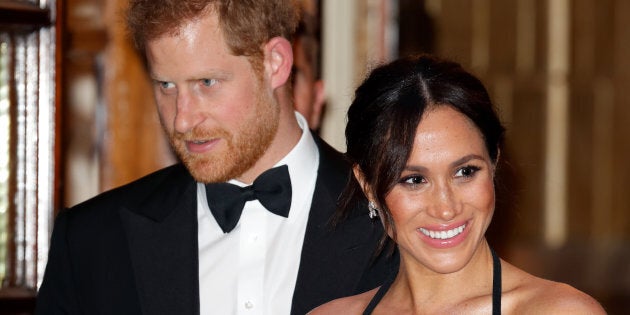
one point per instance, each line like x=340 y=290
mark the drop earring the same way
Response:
x=372 y=210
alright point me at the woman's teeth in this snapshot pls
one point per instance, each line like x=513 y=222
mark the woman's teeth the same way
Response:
x=443 y=234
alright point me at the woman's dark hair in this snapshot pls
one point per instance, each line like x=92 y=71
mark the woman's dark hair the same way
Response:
x=386 y=111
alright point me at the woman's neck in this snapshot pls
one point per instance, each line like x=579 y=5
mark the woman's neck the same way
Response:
x=420 y=288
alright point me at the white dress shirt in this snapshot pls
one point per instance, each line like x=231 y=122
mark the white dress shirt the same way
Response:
x=253 y=269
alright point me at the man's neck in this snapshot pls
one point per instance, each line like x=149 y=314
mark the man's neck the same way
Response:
x=286 y=138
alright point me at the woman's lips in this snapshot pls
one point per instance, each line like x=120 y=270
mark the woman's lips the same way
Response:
x=444 y=237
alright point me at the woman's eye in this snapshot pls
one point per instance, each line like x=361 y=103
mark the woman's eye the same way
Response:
x=208 y=82
x=467 y=171
x=413 y=180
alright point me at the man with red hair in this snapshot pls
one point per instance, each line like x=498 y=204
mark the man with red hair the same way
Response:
x=241 y=225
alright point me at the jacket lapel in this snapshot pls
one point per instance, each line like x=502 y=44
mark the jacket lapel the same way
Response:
x=162 y=232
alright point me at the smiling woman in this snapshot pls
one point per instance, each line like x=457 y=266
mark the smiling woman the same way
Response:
x=424 y=140
x=445 y=196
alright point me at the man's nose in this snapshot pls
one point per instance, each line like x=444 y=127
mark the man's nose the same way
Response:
x=187 y=112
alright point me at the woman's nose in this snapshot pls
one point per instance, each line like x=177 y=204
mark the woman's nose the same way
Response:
x=443 y=204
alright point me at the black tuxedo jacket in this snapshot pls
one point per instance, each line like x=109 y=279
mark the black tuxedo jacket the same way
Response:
x=133 y=250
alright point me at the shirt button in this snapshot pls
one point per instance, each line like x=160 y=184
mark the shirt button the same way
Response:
x=254 y=238
x=249 y=305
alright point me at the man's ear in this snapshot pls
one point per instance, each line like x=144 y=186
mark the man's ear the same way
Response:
x=278 y=61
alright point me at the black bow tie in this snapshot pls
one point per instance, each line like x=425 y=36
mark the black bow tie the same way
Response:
x=272 y=188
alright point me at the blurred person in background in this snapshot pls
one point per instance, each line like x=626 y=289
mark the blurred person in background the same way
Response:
x=308 y=86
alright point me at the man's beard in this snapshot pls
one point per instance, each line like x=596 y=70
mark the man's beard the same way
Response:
x=244 y=146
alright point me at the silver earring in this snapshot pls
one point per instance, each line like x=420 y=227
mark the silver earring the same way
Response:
x=372 y=210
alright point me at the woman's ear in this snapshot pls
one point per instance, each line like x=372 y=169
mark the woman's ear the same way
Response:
x=358 y=174
x=367 y=190
x=278 y=61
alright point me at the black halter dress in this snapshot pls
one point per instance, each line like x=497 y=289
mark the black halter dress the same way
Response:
x=496 y=288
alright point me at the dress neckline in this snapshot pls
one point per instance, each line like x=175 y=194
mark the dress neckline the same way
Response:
x=496 y=288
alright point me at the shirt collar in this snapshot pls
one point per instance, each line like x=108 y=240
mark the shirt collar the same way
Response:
x=303 y=163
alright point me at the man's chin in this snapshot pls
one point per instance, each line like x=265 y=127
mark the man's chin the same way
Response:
x=207 y=172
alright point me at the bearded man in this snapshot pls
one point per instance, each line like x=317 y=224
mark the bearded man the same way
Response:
x=241 y=225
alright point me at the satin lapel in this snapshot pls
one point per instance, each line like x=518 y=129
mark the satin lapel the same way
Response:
x=162 y=234
x=332 y=261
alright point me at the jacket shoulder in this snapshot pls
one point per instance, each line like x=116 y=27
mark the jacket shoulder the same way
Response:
x=131 y=194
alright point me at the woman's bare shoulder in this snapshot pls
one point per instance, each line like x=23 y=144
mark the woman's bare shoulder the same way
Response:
x=526 y=293
x=350 y=305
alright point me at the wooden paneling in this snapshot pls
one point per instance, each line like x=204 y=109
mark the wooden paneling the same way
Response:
x=134 y=144
x=110 y=101
x=454 y=30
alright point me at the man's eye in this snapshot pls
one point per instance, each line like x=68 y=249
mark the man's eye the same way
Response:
x=208 y=82
x=166 y=85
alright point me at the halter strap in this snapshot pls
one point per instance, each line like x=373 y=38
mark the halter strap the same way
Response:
x=496 y=283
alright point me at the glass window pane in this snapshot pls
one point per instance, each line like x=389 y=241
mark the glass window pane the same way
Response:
x=27 y=141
